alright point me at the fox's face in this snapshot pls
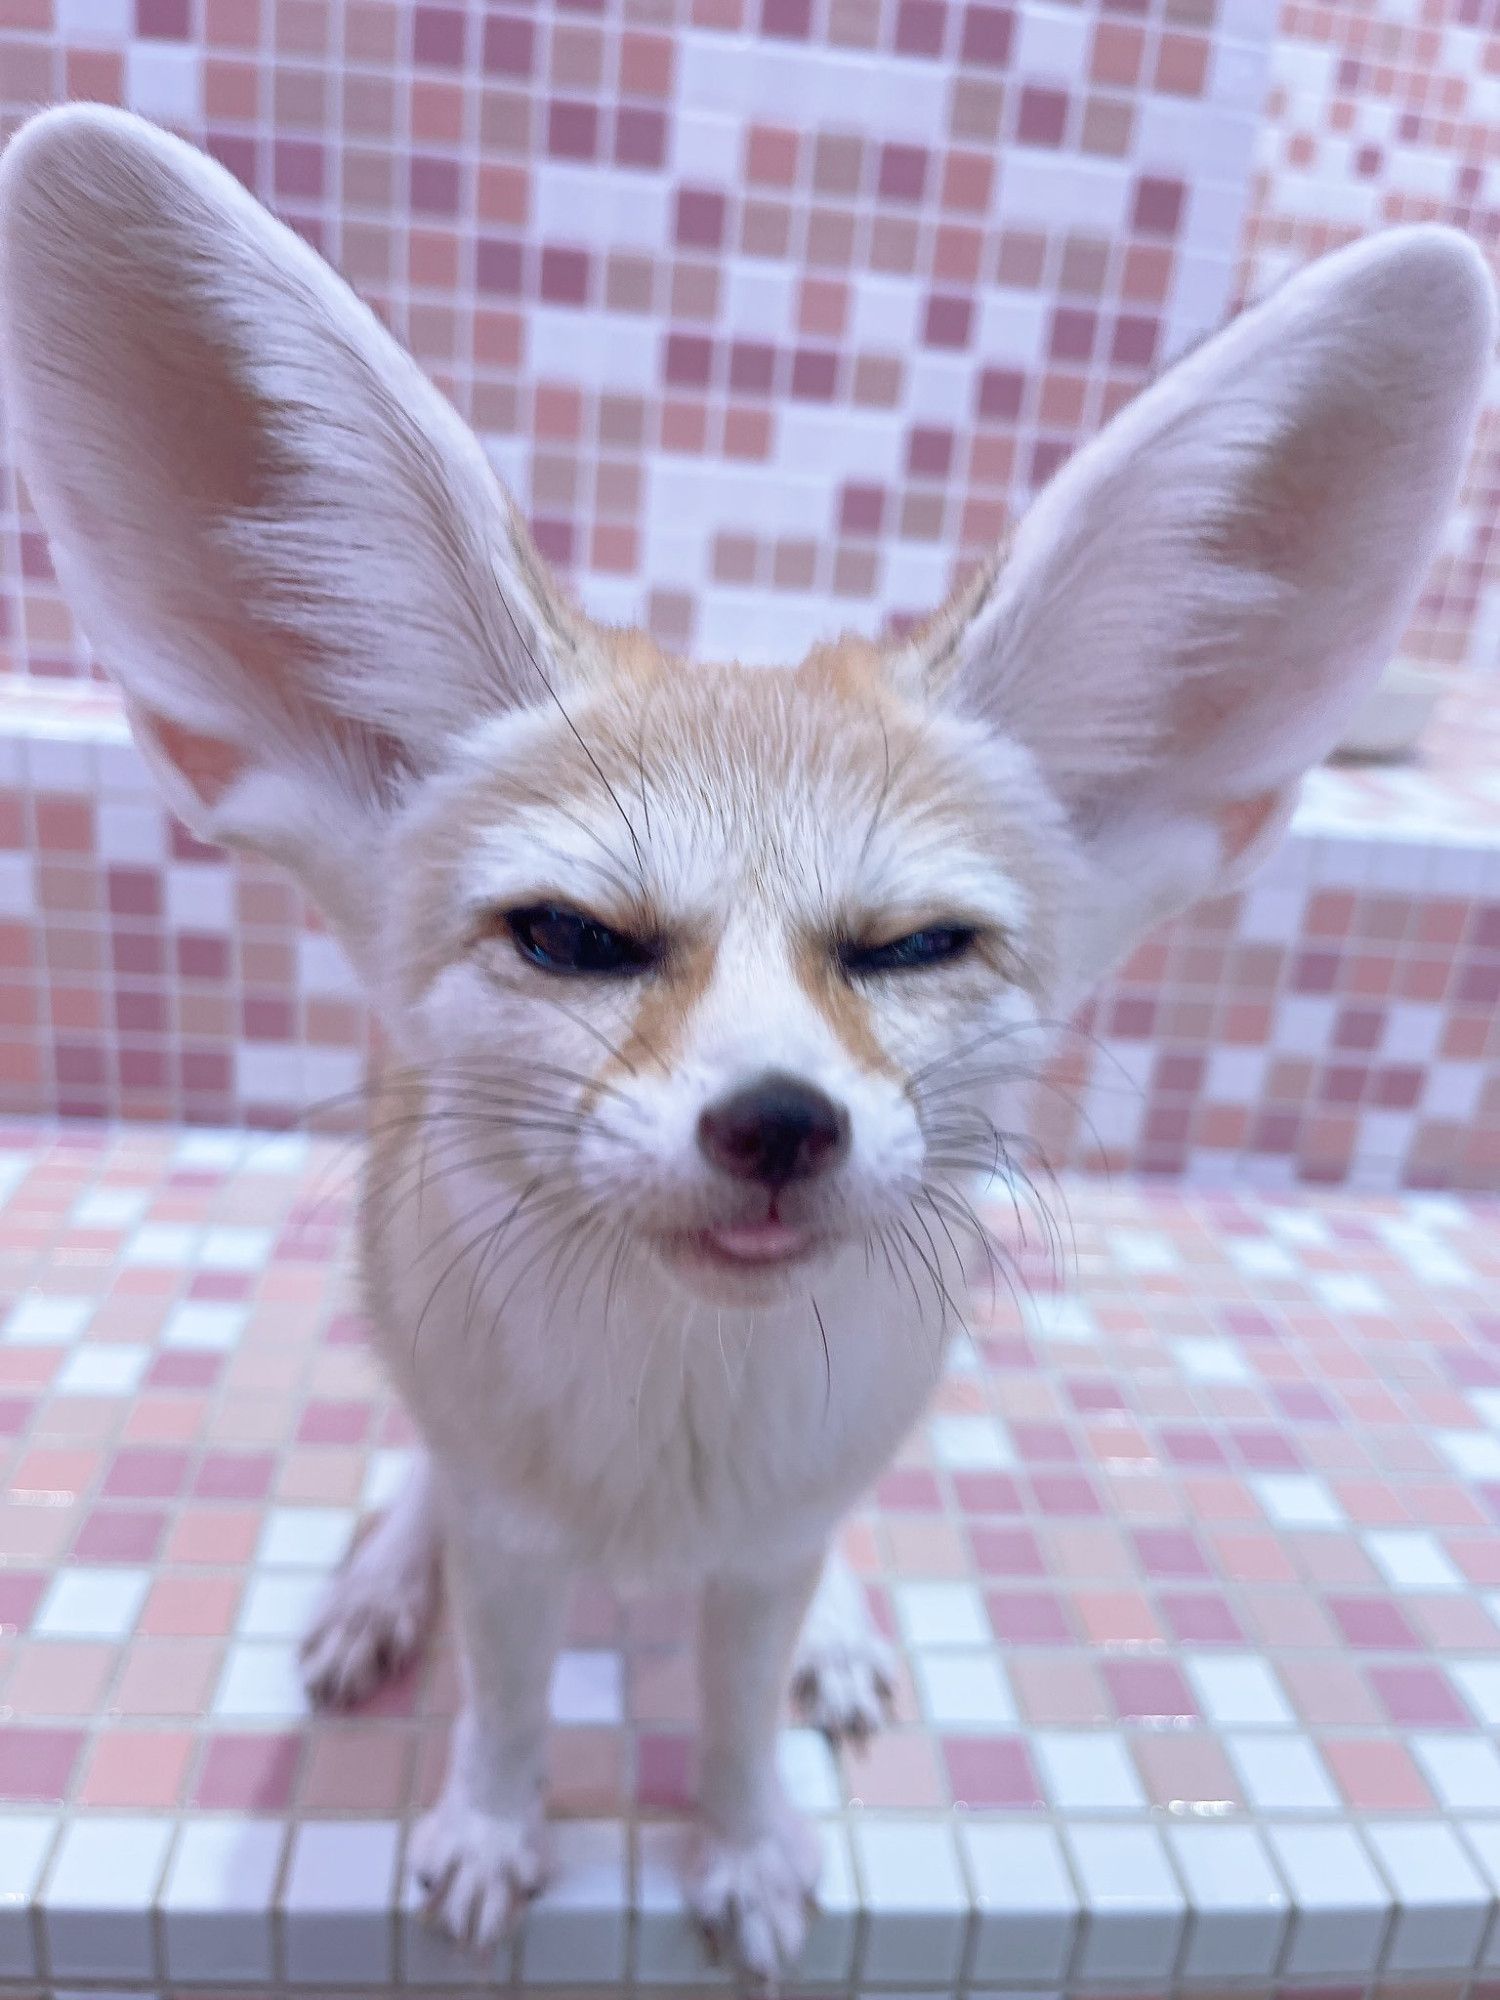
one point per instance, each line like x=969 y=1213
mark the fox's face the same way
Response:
x=734 y=963
x=737 y=961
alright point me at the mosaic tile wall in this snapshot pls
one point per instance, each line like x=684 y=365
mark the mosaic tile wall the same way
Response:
x=1336 y=1022
x=1194 y=1573
x=774 y=310
x=1386 y=113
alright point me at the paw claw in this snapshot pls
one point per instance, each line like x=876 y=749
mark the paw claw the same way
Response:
x=844 y=1686
x=370 y=1623
x=476 y=1873
x=753 y=1898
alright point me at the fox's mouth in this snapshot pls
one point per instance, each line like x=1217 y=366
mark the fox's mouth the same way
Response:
x=752 y=1248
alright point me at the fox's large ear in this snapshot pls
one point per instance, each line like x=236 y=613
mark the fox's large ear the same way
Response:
x=277 y=536
x=1195 y=605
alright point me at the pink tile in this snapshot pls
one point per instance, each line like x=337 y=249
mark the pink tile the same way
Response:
x=1377 y=1775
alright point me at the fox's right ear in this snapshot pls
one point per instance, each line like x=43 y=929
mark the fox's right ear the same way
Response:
x=277 y=536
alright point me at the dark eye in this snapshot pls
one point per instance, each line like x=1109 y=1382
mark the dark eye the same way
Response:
x=918 y=949
x=562 y=940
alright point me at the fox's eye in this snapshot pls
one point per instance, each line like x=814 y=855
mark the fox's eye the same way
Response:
x=563 y=940
x=935 y=946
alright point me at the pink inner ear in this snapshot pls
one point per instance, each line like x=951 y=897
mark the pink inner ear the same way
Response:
x=208 y=765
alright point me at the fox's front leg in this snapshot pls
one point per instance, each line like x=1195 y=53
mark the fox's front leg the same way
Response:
x=478 y=1855
x=755 y=1862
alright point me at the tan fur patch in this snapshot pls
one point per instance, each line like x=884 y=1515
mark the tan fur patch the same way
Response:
x=840 y=1007
x=661 y=1021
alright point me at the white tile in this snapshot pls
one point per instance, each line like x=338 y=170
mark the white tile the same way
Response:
x=47 y=1319
x=808 y=1770
x=1060 y=1317
x=828 y=1955
x=306 y=1537
x=235 y=1248
x=1282 y=1774
x=1145 y=1252
x=108 y=1208
x=1464 y=1771
x=260 y=1680
x=1341 y=1908
x=103 y=1368
x=25 y=1843
x=1482 y=1839
x=97 y=1901
x=163 y=1246
x=278 y=1153
x=578 y=1928
x=85 y=1603
x=217 y=1899
x=1088 y=1771
x=386 y=1472
x=1349 y=1292
x=1208 y=1360
x=1297 y=1500
x=1412 y=1559
x=1027 y=1906
x=164 y=80
x=340 y=1884
x=212 y=1150
x=279 y=1606
x=586 y=1688
x=669 y=1948
x=963 y=1690
x=1479 y=1683
x=969 y=1444
x=1472 y=1454
x=1238 y=1690
x=941 y=1614
x=205 y=1328
x=1133 y=1903
x=1240 y=1909
x=916 y=1905
x=1442 y=1904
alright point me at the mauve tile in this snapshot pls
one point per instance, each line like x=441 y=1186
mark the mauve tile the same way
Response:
x=991 y=1773
x=664 y=1772
x=1201 y=1618
x=251 y=1772
x=1148 y=1690
x=988 y=33
x=1028 y=1618
x=120 y=1535
x=1418 y=1697
x=1373 y=1623
x=20 y=1593
x=37 y=1765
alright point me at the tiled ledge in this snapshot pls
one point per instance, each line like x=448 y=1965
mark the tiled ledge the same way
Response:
x=1335 y=1023
x=1194 y=1571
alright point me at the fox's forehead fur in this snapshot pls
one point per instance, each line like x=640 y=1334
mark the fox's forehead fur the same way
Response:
x=821 y=799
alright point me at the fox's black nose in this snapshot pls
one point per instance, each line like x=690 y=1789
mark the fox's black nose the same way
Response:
x=774 y=1131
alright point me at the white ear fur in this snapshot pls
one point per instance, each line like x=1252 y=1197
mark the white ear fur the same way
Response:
x=276 y=534
x=1199 y=599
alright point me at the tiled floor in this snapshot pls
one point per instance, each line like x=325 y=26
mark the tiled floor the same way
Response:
x=1195 y=1567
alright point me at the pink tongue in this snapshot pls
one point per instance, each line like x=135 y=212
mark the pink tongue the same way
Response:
x=762 y=1240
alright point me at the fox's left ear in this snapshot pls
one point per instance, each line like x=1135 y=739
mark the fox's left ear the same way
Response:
x=1198 y=601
